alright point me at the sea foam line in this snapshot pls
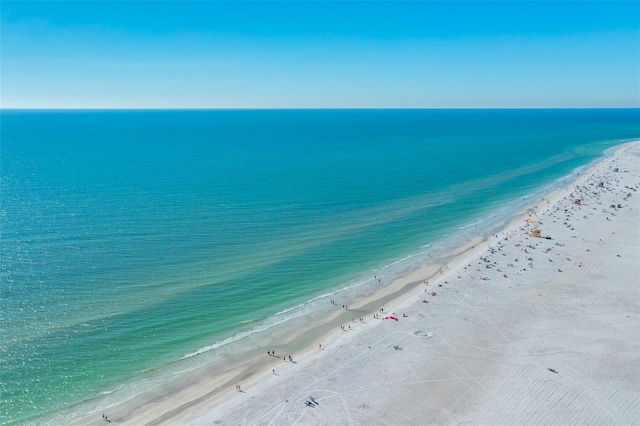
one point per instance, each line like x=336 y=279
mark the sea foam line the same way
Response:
x=274 y=320
x=470 y=225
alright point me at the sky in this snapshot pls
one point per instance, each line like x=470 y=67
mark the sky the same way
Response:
x=331 y=54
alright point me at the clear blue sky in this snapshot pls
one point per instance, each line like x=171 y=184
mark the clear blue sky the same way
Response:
x=300 y=54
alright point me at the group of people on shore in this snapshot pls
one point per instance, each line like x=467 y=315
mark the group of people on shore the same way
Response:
x=284 y=358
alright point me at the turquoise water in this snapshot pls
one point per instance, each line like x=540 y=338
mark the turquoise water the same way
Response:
x=167 y=233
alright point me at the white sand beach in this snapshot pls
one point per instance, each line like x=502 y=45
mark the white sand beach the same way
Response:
x=516 y=329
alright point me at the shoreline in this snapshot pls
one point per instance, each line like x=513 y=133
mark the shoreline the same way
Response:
x=192 y=403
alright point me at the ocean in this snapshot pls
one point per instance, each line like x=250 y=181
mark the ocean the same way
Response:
x=136 y=245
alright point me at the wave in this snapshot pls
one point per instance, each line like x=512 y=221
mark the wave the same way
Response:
x=470 y=225
x=404 y=259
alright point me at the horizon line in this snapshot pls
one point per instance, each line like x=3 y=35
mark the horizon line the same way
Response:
x=301 y=109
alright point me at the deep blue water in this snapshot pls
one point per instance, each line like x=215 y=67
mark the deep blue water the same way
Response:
x=163 y=232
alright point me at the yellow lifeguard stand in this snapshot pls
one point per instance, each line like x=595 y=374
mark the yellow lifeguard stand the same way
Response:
x=535 y=233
